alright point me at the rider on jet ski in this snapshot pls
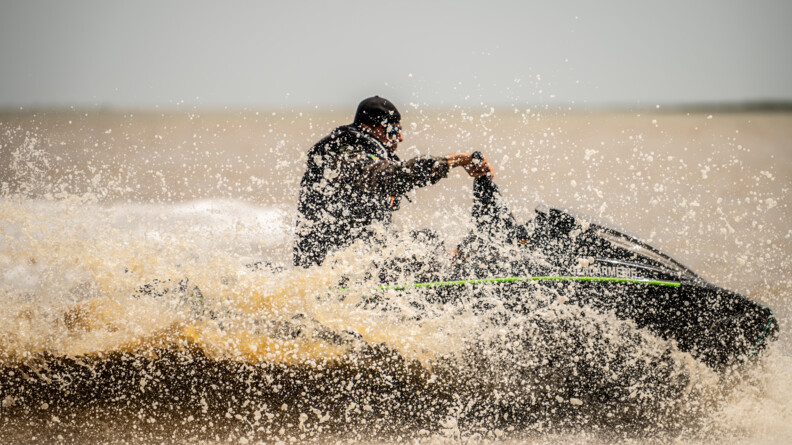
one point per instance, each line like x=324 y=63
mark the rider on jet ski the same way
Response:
x=354 y=178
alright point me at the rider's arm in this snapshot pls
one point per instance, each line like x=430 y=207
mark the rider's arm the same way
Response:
x=395 y=178
x=392 y=178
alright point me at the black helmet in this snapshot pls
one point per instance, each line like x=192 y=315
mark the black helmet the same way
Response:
x=376 y=110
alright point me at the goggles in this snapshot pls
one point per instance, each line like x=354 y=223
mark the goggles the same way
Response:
x=392 y=130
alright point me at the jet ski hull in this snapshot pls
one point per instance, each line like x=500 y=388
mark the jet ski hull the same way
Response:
x=716 y=326
x=588 y=262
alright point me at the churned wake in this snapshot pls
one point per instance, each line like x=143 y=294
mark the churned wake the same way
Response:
x=108 y=307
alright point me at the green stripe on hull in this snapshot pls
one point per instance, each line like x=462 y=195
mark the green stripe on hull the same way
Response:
x=525 y=279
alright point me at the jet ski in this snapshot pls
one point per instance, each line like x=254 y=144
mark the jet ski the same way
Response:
x=594 y=264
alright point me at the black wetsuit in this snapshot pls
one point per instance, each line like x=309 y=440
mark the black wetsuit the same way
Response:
x=351 y=181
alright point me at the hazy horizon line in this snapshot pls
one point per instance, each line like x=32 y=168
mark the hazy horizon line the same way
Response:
x=770 y=105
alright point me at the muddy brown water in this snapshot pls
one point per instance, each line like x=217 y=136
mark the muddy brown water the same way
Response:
x=96 y=204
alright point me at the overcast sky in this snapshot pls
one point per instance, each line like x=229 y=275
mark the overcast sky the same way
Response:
x=256 y=54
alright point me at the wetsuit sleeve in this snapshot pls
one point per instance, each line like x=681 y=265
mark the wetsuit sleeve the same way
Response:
x=395 y=178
